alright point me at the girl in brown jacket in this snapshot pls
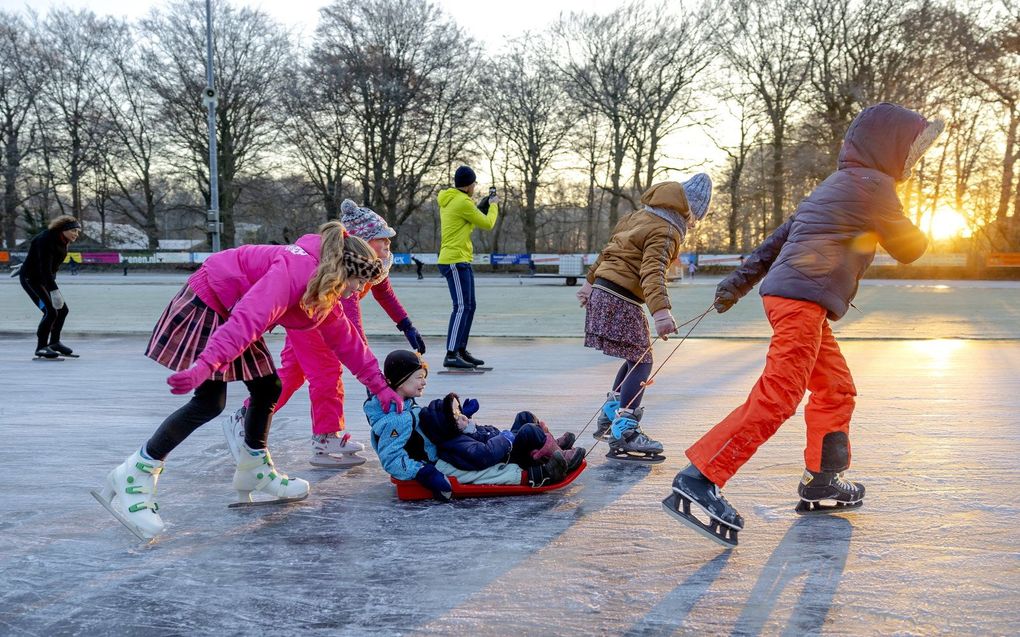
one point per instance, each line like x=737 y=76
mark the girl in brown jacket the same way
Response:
x=629 y=274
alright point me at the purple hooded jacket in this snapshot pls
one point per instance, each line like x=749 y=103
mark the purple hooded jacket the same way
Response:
x=821 y=252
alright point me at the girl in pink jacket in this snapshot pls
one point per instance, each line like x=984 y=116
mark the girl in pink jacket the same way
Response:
x=306 y=356
x=211 y=334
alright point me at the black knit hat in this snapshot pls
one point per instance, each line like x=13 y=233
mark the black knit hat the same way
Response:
x=464 y=177
x=400 y=364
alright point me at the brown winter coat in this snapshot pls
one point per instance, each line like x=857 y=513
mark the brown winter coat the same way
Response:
x=644 y=244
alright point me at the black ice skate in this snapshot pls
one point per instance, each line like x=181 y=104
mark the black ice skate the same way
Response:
x=47 y=354
x=633 y=445
x=63 y=350
x=477 y=362
x=814 y=488
x=691 y=487
x=455 y=364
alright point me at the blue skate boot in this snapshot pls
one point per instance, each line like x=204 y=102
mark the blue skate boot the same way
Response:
x=629 y=444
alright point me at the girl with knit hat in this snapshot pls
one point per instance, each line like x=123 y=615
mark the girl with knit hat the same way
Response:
x=306 y=356
x=809 y=270
x=211 y=334
x=629 y=274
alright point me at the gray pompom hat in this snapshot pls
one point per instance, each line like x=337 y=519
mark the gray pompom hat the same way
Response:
x=699 y=194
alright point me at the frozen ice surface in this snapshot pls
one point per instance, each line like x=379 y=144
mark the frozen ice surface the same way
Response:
x=935 y=549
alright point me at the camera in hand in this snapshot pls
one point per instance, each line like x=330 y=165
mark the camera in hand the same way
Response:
x=492 y=191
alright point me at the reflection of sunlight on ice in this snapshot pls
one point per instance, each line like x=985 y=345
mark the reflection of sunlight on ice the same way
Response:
x=939 y=353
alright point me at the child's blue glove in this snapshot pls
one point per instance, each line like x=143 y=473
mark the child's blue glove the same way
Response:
x=469 y=408
x=412 y=335
x=433 y=480
x=509 y=435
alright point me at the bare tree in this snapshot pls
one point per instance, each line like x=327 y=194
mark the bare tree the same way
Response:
x=532 y=117
x=599 y=59
x=133 y=114
x=770 y=50
x=250 y=55
x=740 y=110
x=21 y=80
x=403 y=70
x=78 y=73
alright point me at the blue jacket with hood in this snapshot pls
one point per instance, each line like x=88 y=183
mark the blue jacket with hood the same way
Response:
x=398 y=439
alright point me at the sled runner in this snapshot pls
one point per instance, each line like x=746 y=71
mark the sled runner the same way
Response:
x=412 y=490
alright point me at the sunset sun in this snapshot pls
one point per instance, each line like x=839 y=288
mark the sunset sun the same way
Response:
x=945 y=223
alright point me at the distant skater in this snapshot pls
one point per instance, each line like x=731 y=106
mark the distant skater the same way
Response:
x=38 y=276
x=459 y=216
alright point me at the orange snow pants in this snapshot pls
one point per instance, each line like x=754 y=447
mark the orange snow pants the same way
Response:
x=803 y=355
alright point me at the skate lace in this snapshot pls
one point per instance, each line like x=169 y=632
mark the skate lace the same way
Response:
x=842 y=483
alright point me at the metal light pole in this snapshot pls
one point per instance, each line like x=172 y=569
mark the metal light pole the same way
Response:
x=209 y=99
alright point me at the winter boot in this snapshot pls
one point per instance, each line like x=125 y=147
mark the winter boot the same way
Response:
x=551 y=472
x=130 y=495
x=256 y=472
x=574 y=458
x=828 y=485
x=628 y=443
x=690 y=486
x=566 y=441
x=548 y=449
x=336 y=451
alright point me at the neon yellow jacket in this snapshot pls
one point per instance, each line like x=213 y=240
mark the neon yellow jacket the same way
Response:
x=458 y=216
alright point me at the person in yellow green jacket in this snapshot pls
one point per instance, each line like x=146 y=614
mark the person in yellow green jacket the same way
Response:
x=458 y=217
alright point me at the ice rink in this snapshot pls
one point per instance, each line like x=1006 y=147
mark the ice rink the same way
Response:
x=936 y=439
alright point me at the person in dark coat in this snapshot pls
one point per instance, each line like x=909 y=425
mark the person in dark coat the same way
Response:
x=809 y=270
x=38 y=276
x=472 y=447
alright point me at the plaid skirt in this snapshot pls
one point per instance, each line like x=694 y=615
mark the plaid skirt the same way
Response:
x=617 y=327
x=184 y=329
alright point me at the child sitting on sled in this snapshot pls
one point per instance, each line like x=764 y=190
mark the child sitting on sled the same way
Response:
x=466 y=449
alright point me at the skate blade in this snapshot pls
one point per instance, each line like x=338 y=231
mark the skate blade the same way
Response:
x=47 y=359
x=259 y=503
x=454 y=370
x=672 y=505
x=71 y=355
x=120 y=518
x=634 y=458
x=482 y=368
x=344 y=461
x=807 y=507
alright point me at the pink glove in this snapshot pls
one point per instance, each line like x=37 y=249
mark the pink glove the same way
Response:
x=387 y=397
x=665 y=324
x=584 y=294
x=189 y=379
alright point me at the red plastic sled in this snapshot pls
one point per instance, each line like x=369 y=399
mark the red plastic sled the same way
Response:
x=412 y=490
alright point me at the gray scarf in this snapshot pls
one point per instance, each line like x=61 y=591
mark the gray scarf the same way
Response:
x=673 y=218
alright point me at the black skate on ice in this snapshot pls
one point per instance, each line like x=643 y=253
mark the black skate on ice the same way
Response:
x=47 y=354
x=63 y=350
x=454 y=363
x=815 y=489
x=693 y=488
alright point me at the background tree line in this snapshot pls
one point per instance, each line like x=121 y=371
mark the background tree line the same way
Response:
x=103 y=119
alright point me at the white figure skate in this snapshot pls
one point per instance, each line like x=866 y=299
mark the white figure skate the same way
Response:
x=255 y=472
x=336 y=451
x=130 y=495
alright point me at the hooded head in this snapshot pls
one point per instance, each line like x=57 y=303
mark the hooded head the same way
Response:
x=888 y=138
x=668 y=195
x=439 y=419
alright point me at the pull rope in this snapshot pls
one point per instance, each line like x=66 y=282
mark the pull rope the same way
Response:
x=651 y=378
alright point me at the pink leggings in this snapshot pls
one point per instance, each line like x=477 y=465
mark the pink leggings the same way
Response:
x=306 y=356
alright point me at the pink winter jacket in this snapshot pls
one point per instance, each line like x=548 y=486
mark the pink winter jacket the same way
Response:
x=258 y=287
x=384 y=295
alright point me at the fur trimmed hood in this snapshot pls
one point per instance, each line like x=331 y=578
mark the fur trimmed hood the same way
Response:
x=888 y=138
